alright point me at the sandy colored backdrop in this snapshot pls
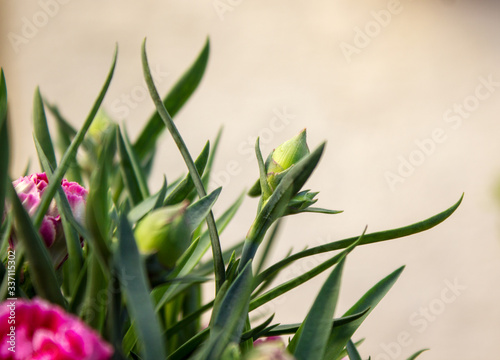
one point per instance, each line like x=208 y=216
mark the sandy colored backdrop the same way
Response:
x=405 y=90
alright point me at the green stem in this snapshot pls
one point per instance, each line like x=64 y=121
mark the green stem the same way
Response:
x=165 y=116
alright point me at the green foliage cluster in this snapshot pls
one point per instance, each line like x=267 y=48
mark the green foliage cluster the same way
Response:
x=149 y=309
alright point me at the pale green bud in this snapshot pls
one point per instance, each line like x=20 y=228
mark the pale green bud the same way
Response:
x=284 y=157
x=164 y=232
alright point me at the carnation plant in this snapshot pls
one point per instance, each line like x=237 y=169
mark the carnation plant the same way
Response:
x=99 y=265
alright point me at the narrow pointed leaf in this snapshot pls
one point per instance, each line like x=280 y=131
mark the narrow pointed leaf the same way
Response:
x=131 y=171
x=200 y=189
x=153 y=202
x=352 y=351
x=73 y=245
x=41 y=129
x=287 y=329
x=208 y=168
x=367 y=239
x=299 y=280
x=227 y=325
x=182 y=190
x=264 y=186
x=322 y=211
x=69 y=156
x=417 y=354
x=313 y=337
x=197 y=212
x=134 y=282
x=254 y=332
x=41 y=268
x=4 y=142
x=97 y=209
x=174 y=101
x=342 y=334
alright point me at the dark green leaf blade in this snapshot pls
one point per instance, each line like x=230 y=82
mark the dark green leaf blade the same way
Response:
x=41 y=268
x=313 y=338
x=352 y=351
x=69 y=156
x=197 y=212
x=133 y=176
x=227 y=324
x=367 y=239
x=132 y=274
x=219 y=270
x=4 y=142
x=182 y=190
x=41 y=129
x=342 y=334
x=417 y=354
x=174 y=101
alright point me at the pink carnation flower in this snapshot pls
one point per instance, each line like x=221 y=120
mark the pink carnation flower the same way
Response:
x=44 y=331
x=30 y=190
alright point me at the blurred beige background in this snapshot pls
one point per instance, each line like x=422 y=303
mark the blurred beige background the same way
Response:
x=384 y=82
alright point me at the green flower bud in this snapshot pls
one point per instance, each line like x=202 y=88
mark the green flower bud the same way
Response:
x=164 y=232
x=284 y=157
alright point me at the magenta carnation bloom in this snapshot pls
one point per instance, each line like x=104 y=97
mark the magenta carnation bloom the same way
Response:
x=43 y=331
x=30 y=190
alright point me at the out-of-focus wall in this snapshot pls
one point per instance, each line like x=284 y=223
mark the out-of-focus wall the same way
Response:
x=407 y=94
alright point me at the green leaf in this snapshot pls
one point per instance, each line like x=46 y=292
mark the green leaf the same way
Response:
x=151 y=203
x=189 y=346
x=227 y=324
x=313 y=335
x=342 y=334
x=72 y=245
x=197 y=212
x=164 y=294
x=78 y=294
x=367 y=239
x=343 y=355
x=182 y=190
x=41 y=129
x=132 y=274
x=322 y=211
x=200 y=189
x=174 y=101
x=132 y=173
x=3 y=98
x=41 y=268
x=352 y=351
x=417 y=354
x=264 y=186
x=255 y=189
x=94 y=308
x=254 y=332
x=97 y=209
x=208 y=169
x=287 y=329
x=270 y=242
x=4 y=142
x=69 y=156
x=299 y=280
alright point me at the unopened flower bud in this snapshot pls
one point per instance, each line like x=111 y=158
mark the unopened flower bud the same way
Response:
x=285 y=156
x=164 y=232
